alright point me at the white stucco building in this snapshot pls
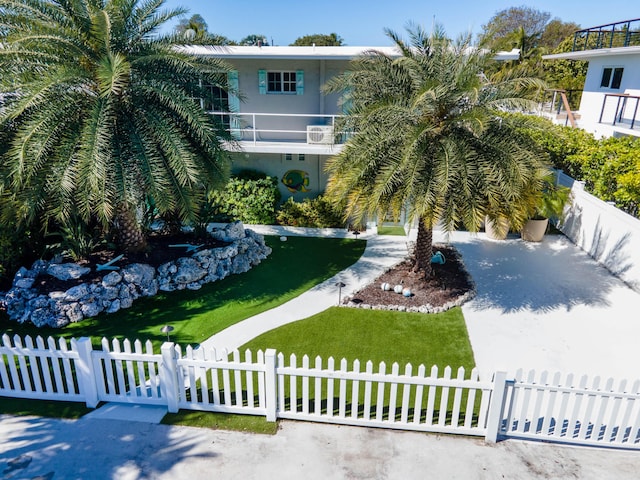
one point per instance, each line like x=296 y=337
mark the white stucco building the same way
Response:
x=284 y=125
x=611 y=93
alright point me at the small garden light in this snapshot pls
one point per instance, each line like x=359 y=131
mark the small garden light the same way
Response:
x=340 y=285
x=167 y=329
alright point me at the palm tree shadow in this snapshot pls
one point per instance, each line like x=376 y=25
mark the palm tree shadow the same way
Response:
x=102 y=449
x=513 y=275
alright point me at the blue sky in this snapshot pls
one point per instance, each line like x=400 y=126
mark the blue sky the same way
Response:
x=362 y=22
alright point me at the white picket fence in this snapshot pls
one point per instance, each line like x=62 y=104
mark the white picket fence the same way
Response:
x=531 y=406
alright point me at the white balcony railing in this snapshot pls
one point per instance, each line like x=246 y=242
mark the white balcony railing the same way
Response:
x=283 y=128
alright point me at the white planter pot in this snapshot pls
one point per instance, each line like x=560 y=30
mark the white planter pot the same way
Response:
x=496 y=230
x=534 y=230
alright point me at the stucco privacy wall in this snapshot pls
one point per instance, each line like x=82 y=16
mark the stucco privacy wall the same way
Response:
x=609 y=235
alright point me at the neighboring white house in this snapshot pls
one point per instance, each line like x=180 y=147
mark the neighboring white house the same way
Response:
x=284 y=125
x=611 y=94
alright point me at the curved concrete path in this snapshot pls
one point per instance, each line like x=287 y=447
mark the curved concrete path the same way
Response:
x=381 y=253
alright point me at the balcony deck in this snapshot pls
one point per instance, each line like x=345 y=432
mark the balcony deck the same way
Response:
x=610 y=35
x=284 y=133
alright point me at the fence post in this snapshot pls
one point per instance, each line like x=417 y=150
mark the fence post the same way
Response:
x=84 y=370
x=496 y=407
x=169 y=376
x=270 y=379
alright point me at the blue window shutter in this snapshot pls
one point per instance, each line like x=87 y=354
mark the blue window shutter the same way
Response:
x=300 y=82
x=262 y=82
x=234 y=103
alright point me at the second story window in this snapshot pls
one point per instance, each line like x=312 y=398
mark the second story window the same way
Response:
x=611 y=77
x=281 y=82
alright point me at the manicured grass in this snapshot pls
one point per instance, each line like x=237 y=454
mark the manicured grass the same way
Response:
x=42 y=408
x=294 y=266
x=433 y=339
x=221 y=421
x=388 y=230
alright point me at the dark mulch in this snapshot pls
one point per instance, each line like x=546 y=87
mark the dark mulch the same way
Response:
x=448 y=282
x=157 y=253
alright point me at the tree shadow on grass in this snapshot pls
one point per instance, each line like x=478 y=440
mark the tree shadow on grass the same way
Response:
x=513 y=275
x=294 y=266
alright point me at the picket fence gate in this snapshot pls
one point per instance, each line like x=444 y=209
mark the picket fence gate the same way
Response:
x=526 y=405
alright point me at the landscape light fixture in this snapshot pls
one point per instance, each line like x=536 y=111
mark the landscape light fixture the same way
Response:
x=340 y=285
x=167 y=329
x=356 y=233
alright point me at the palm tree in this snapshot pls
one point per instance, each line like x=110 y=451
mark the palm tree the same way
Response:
x=100 y=119
x=432 y=137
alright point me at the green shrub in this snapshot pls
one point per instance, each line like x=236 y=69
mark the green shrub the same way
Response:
x=318 y=212
x=609 y=167
x=251 y=200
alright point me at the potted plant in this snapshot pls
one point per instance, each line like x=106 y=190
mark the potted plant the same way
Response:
x=548 y=203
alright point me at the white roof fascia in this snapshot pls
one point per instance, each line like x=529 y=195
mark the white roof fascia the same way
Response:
x=304 y=53
x=587 y=54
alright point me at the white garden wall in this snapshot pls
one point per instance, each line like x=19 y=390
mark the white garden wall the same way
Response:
x=609 y=235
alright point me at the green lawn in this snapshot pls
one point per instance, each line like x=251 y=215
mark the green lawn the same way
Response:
x=391 y=230
x=294 y=266
x=375 y=335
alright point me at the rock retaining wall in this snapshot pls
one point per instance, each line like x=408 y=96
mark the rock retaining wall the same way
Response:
x=119 y=289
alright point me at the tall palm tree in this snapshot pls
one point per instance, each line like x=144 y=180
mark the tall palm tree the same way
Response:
x=100 y=117
x=432 y=137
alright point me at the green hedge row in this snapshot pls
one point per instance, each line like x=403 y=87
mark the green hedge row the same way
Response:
x=609 y=167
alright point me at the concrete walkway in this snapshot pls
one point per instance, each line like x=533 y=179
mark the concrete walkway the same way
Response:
x=381 y=253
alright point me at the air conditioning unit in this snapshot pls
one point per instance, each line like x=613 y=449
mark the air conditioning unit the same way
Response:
x=322 y=134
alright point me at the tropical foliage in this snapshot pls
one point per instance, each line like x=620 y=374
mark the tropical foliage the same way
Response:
x=318 y=212
x=610 y=167
x=247 y=197
x=99 y=118
x=318 y=39
x=430 y=138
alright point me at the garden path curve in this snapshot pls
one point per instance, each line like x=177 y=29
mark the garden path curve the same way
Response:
x=381 y=253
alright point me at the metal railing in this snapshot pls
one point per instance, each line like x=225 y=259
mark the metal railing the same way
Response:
x=610 y=35
x=317 y=129
x=622 y=113
x=560 y=103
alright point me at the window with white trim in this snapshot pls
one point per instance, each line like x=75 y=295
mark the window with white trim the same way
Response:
x=611 y=77
x=281 y=82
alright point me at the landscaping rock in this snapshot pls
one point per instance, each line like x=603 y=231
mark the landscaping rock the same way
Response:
x=67 y=271
x=119 y=289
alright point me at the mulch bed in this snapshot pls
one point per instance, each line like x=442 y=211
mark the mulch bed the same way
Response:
x=449 y=282
x=157 y=253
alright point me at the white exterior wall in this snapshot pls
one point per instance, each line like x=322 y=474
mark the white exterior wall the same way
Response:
x=311 y=102
x=593 y=94
x=606 y=233
x=275 y=165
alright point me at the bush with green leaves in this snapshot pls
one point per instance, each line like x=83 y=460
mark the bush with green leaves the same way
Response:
x=248 y=196
x=318 y=212
x=610 y=167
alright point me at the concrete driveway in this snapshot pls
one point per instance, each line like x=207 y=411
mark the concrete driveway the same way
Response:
x=548 y=306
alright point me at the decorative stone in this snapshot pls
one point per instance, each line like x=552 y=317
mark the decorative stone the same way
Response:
x=385 y=287
x=283 y=239
x=67 y=271
x=119 y=289
x=406 y=292
x=76 y=293
x=397 y=289
x=138 y=273
x=74 y=312
x=111 y=279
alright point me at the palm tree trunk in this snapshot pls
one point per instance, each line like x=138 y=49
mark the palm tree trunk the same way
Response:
x=131 y=238
x=424 y=248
